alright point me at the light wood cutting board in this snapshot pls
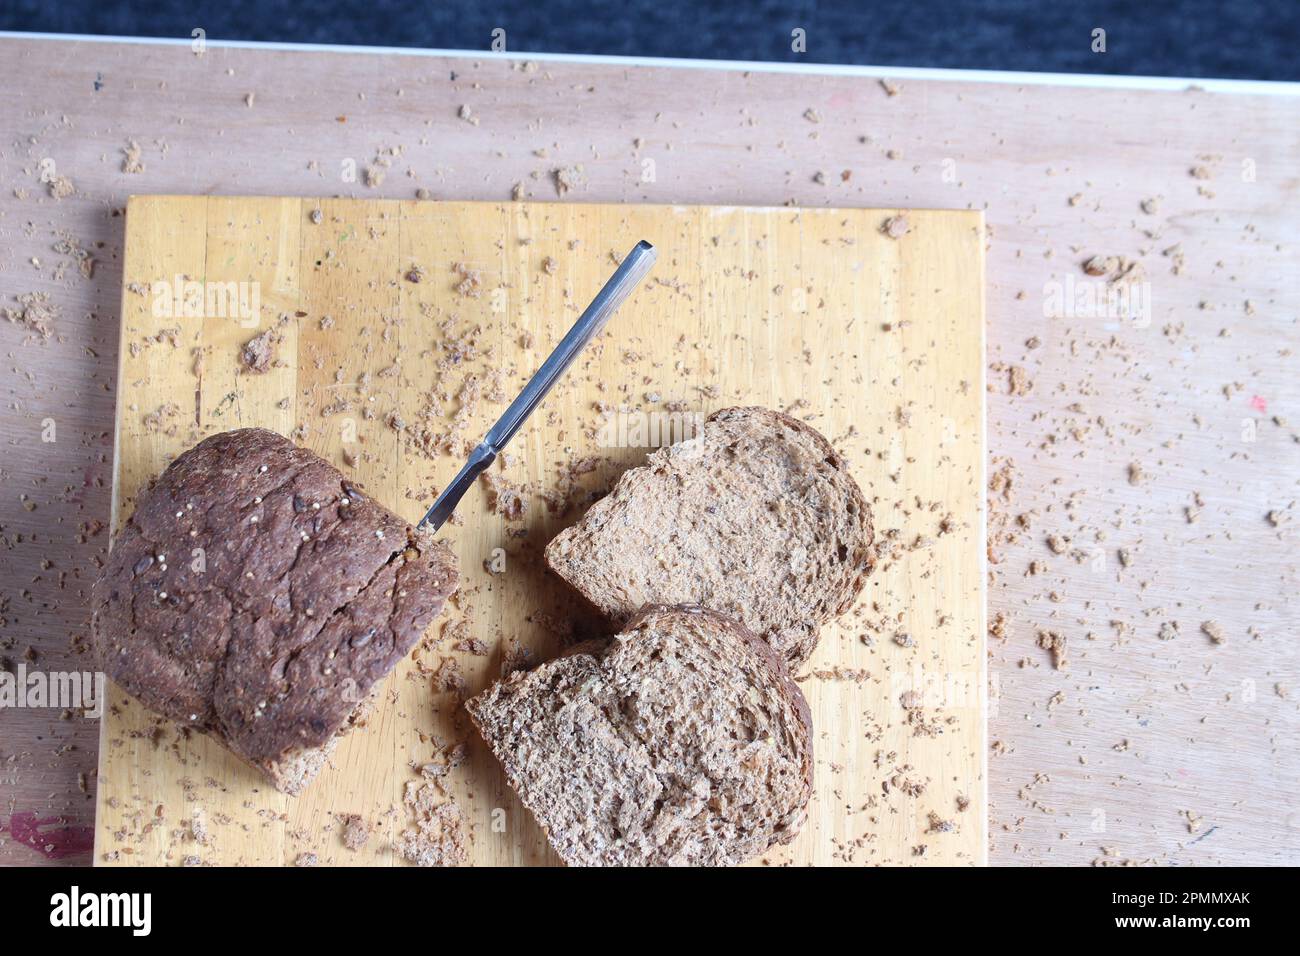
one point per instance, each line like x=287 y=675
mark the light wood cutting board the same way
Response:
x=395 y=318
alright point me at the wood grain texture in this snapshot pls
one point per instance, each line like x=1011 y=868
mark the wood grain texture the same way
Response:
x=1143 y=731
x=376 y=305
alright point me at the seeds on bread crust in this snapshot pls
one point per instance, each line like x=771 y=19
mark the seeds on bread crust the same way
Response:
x=756 y=517
x=683 y=741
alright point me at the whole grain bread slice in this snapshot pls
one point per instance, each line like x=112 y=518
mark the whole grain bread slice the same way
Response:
x=258 y=595
x=756 y=516
x=683 y=741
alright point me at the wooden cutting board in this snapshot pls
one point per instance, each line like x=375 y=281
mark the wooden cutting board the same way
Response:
x=398 y=319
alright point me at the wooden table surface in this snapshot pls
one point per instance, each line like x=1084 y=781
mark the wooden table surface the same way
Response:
x=1144 y=471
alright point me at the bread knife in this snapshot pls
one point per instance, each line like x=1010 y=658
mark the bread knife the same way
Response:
x=626 y=277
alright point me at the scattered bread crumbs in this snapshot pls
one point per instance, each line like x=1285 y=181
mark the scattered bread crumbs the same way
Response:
x=1168 y=630
x=938 y=824
x=438 y=835
x=515 y=657
x=471 y=645
x=854 y=675
x=162 y=419
x=1018 y=382
x=471 y=281
x=35 y=313
x=449 y=679
x=71 y=247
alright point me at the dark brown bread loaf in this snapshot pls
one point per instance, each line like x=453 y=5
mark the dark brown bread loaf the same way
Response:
x=682 y=741
x=756 y=517
x=258 y=596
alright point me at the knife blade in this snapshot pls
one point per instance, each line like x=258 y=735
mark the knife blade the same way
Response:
x=626 y=277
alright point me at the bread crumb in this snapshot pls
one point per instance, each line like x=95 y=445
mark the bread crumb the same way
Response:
x=1100 y=265
x=1055 y=643
x=356 y=831
x=131 y=158
x=61 y=187
x=569 y=178
x=895 y=227
x=1018 y=381
x=504 y=497
x=259 y=352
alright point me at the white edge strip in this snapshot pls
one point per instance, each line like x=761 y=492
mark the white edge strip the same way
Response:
x=1094 y=81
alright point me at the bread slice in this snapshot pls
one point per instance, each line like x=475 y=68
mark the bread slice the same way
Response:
x=756 y=516
x=259 y=596
x=682 y=741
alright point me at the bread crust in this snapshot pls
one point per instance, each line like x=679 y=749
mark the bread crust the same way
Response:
x=602 y=572
x=258 y=595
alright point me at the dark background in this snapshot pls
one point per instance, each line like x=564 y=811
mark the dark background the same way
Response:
x=1249 y=39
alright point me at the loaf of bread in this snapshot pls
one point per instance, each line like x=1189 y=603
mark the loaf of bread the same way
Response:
x=259 y=596
x=756 y=517
x=683 y=741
